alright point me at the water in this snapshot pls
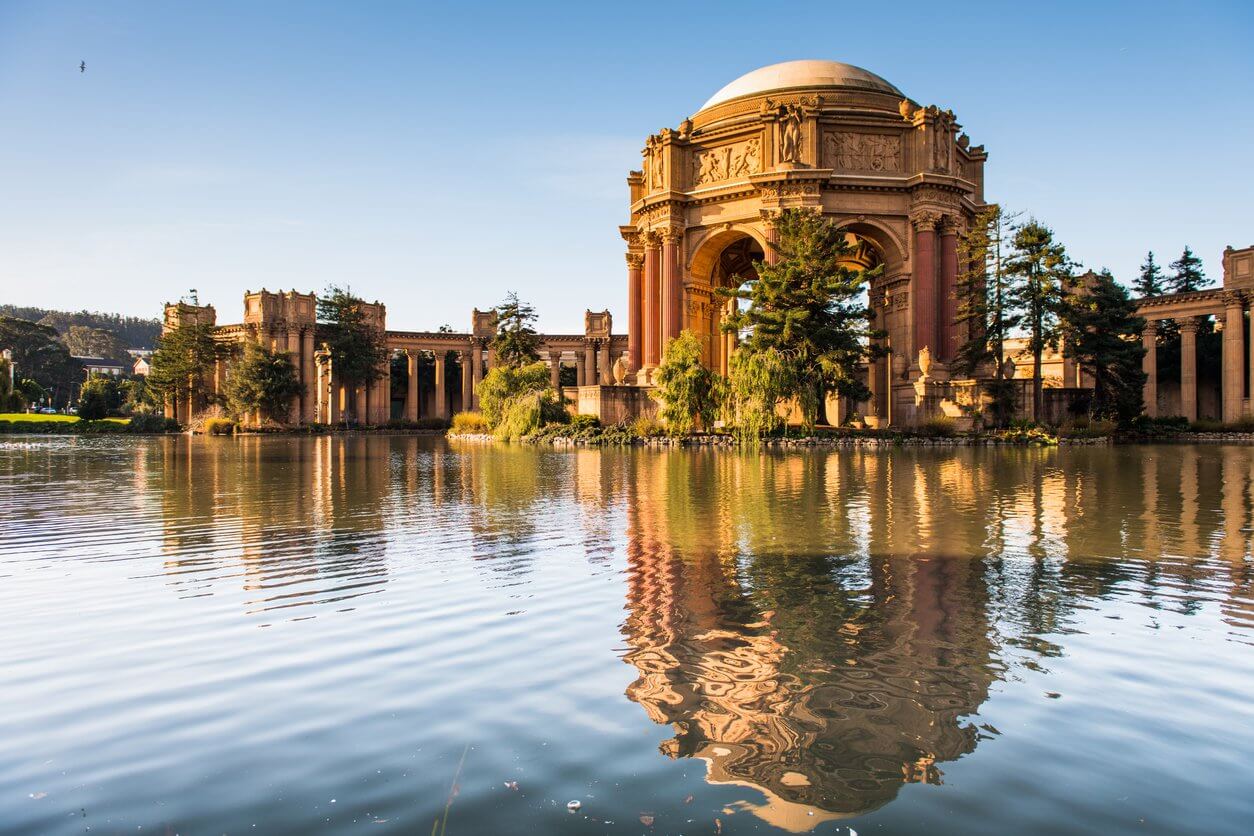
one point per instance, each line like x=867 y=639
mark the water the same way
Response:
x=326 y=635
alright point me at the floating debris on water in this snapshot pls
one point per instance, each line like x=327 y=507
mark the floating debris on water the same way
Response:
x=573 y=806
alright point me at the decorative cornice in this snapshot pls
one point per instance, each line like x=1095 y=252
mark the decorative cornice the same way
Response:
x=635 y=261
x=925 y=220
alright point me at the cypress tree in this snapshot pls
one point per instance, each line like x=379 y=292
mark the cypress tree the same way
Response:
x=1150 y=280
x=1041 y=273
x=1187 y=275
x=516 y=343
x=1102 y=334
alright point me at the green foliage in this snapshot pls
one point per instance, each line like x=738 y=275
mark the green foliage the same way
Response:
x=807 y=313
x=1027 y=434
x=84 y=341
x=647 y=426
x=38 y=355
x=1186 y=273
x=1150 y=280
x=469 y=423
x=183 y=361
x=688 y=391
x=516 y=343
x=942 y=426
x=30 y=390
x=10 y=399
x=137 y=396
x=1101 y=332
x=152 y=424
x=99 y=398
x=986 y=314
x=219 y=426
x=262 y=380
x=132 y=331
x=516 y=401
x=757 y=382
x=583 y=423
x=1084 y=427
x=357 y=346
x=1040 y=276
x=69 y=425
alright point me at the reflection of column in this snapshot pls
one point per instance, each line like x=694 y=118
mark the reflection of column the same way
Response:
x=672 y=287
x=635 y=310
x=1149 y=365
x=464 y=359
x=948 y=303
x=652 y=259
x=1233 y=385
x=441 y=396
x=924 y=291
x=589 y=364
x=555 y=370
x=1188 y=368
x=476 y=369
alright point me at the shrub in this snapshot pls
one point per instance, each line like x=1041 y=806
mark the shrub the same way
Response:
x=941 y=426
x=582 y=423
x=647 y=426
x=1206 y=425
x=1244 y=424
x=219 y=426
x=1086 y=428
x=469 y=423
x=517 y=402
x=152 y=423
x=686 y=389
x=431 y=423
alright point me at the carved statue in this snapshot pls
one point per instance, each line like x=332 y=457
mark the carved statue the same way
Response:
x=620 y=370
x=790 y=135
x=925 y=361
x=905 y=108
x=1008 y=369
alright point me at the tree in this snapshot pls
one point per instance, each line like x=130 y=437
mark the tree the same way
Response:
x=1187 y=275
x=1102 y=333
x=84 y=341
x=809 y=309
x=1040 y=273
x=757 y=381
x=9 y=399
x=99 y=398
x=183 y=361
x=686 y=389
x=516 y=343
x=1150 y=281
x=137 y=397
x=40 y=356
x=984 y=292
x=516 y=401
x=359 y=353
x=262 y=381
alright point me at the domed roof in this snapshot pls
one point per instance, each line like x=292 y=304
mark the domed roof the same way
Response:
x=793 y=75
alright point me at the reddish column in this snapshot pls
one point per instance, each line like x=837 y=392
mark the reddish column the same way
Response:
x=635 y=310
x=672 y=292
x=948 y=302
x=652 y=312
x=924 y=302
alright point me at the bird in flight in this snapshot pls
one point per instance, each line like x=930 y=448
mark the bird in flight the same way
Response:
x=82 y=67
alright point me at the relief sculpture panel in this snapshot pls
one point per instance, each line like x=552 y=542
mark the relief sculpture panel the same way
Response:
x=726 y=162
x=862 y=152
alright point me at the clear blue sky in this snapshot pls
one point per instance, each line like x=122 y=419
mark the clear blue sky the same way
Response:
x=436 y=156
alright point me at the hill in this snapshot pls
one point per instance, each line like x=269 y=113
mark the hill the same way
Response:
x=131 y=331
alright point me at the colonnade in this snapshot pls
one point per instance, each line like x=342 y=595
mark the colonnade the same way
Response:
x=1229 y=307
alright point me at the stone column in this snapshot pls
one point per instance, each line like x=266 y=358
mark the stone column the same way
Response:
x=924 y=291
x=579 y=368
x=1233 y=380
x=589 y=364
x=948 y=302
x=465 y=358
x=1188 y=368
x=411 y=385
x=309 y=376
x=652 y=311
x=441 y=396
x=362 y=406
x=672 y=288
x=476 y=369
x=603 y=362
x=293 y=356
x=1149 y=365
x=772 y=235
x=1250 y=348
x=635 y=311
x=555 y=370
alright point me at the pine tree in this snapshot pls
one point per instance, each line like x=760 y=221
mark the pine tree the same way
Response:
x=1102 y=334
x=985 y=312
x=1150 y=281
x=516 y=343
x=262 y=381
x=359 y=353
x=1187 y=275
x=1041 y=273
x=184 y=358
x=808 y=309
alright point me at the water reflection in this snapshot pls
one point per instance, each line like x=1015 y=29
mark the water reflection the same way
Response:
x=825 y=628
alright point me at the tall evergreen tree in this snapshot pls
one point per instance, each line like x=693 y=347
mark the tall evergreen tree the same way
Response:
x=808 y=309
x=985 y=304
x=359 y=353
x=1186 y=273
x=1102 y=334
x=516 y=343
x=184 y=358
x=262 y=381
x=1150 y=281
x=1041 y=273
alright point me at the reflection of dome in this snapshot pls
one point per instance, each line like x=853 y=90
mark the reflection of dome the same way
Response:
x=801 y=75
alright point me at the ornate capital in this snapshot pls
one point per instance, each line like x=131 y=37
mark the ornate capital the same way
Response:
x=652 y=239
x=635 y=261
x=1151 y=328
x=1188 y=325
x=926 y=220
x=673 y=235
x=1234 y=299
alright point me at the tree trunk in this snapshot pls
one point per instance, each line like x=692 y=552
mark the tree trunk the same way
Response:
x=1037 y=399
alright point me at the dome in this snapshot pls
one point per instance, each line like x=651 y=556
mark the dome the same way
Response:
x=796 y=75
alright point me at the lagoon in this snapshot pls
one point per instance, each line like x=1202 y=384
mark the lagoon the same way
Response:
x=369 y=634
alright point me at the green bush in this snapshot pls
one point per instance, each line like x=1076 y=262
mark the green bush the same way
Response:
x=469 y=423
x=1083 y=427
x=219 y=426
x=152 y=424
x=647 y=426
x=582 y=423
x=941 y=426
x=1244 y=424
x=1206 y=425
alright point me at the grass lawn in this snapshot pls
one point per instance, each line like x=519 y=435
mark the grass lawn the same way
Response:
x=18 y=417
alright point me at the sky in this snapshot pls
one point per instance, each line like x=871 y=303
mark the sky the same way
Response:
x=438 y=156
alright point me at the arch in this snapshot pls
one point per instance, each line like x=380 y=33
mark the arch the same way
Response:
x=892 y=248
x=726 y=250
x=704 y=252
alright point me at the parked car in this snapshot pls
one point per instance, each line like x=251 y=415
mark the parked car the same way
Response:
x=47 y=410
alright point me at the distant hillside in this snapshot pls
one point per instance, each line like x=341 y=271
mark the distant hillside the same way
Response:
x=132 y=331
